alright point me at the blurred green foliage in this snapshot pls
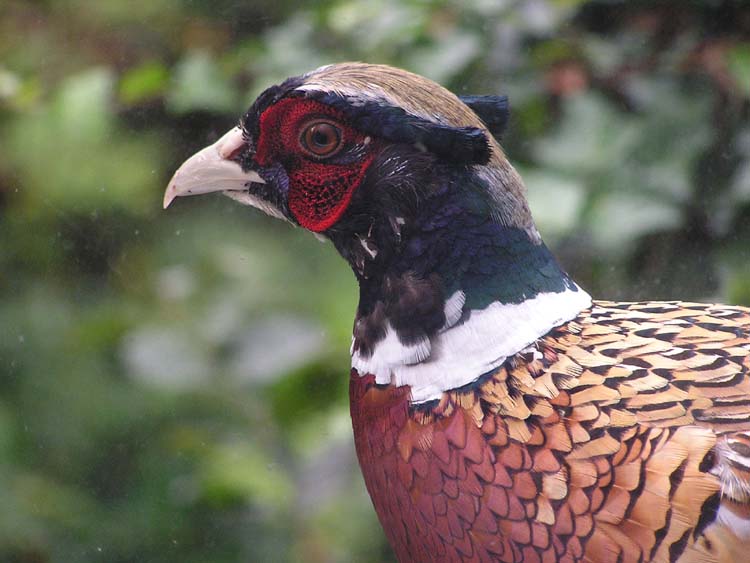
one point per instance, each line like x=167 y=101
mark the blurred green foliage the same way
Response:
x=173 y=385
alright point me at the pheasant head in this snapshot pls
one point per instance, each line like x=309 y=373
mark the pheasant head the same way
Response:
x=409 y=183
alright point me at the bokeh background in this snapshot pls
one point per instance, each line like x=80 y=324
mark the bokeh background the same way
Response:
x=173 y=384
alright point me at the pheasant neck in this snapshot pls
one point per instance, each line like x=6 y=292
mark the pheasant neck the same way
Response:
x=451 y=292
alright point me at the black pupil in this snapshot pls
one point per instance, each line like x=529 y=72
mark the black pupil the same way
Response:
x=321 y=137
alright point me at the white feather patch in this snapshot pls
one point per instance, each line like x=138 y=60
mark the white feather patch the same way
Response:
x=454 y=307
x=460 y=354
x=390 y=354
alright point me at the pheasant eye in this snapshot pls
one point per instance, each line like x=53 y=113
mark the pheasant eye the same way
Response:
x=321 y=139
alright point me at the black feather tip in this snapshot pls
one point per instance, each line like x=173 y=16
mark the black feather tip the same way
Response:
x=494 y=111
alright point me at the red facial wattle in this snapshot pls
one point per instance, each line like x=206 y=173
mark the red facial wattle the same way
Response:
x=319 y=191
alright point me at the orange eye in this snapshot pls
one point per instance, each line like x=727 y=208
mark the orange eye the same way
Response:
x=321 y=139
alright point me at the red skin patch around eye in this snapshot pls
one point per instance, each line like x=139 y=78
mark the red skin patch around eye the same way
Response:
x=319 y=192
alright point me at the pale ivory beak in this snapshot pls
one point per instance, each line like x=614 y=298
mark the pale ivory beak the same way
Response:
x=211 y=170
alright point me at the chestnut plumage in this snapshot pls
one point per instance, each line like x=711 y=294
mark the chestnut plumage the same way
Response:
x=499 y=414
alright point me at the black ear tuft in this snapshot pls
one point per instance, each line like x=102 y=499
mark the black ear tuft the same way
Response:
x=494 y=111
x=461 y=145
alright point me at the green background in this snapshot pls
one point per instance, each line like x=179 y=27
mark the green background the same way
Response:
x=173 y=385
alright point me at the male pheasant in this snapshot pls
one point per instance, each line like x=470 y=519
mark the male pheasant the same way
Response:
x=499 y=414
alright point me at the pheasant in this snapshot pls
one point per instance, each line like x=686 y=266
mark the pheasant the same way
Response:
x=499 y=413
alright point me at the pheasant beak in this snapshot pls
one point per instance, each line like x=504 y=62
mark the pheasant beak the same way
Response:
x=213 y=170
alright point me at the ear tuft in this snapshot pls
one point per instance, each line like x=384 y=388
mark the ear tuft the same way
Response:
x=461 y=145
x=494 y=111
